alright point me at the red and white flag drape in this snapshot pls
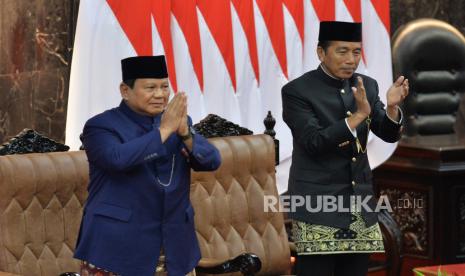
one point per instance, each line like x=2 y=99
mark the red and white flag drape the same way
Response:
x=231 y=57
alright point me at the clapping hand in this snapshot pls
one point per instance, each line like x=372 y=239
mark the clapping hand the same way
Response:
x=395 y=96
x=363 y=106
x=397 y=92
x=360 y=95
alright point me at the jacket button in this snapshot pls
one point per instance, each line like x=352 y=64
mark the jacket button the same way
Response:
x=354 y=159
x=349 y=113
x=342 y=91
x=353 y=183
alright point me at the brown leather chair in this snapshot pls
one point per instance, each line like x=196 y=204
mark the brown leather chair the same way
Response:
x=229 y=204
x=40 y=211
x=42 y=195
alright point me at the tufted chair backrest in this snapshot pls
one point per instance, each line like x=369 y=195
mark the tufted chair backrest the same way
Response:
x=229 y=205
x=431 y=54
x=41 y=199
x=42 y=194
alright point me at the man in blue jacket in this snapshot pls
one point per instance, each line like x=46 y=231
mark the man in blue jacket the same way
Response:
x=140 y=155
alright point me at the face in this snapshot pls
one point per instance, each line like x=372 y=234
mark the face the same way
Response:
x=341 y=58
x=148 y=96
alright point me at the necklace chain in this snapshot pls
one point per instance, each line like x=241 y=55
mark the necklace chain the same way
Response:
x=171 y=174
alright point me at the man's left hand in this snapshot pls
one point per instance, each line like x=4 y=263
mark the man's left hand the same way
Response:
x=397 y=92
x=183 y=128
x=395 y=96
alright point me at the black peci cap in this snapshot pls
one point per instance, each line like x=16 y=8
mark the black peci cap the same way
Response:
x=340 y=31
x=144 y=67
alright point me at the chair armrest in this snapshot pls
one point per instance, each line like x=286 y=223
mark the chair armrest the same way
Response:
x=392 y=237
x=2 y=273
x=246 y=263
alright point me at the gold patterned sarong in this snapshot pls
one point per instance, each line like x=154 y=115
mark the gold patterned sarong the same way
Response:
x=312 y=239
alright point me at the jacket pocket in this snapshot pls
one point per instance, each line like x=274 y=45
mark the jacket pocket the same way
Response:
x=113 y=211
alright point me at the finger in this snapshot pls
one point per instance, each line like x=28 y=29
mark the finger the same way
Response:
x=178 y=109
x=178 y=101
x=361 y=87
x=356 y=93
x=173 y=101
x=354 y=90
x=183 y=102
x=360 y=84
x=184 y=107
x=185 y=97
x=405 y=89
x=399 y=81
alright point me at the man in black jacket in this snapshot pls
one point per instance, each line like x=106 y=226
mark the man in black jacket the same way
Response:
x=330 y=112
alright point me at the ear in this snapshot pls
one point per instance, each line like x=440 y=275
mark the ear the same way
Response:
x=124 y=90
x=321 y=53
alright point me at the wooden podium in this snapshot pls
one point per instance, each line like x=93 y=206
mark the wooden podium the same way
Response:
x=425 y=183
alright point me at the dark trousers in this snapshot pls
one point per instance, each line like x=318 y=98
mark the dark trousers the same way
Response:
x=352 y=264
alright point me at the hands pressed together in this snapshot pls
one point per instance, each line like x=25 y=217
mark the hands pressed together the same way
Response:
x=174 y=118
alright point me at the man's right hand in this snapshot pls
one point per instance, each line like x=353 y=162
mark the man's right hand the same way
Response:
x=172 y=116
x=363 y=106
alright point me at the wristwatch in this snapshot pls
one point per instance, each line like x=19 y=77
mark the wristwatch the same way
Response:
x=189 y=134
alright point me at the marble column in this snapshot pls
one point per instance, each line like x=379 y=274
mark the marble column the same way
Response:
x=35 y=55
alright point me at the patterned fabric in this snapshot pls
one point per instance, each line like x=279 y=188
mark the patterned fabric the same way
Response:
x=311 y=239
x=88 y=269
